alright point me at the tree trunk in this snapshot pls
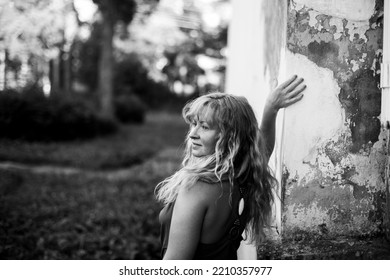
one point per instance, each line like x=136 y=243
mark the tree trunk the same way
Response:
x=105 y=87
x=2 y=69
x=67 y=62
x=55 y=75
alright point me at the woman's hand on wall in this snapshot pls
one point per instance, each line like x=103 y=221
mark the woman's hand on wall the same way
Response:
x=282 y=96
x=286 y=94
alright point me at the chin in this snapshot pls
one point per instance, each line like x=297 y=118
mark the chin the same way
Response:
x=197 y=155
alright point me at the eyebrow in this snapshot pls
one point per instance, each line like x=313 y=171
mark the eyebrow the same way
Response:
x=204 y=122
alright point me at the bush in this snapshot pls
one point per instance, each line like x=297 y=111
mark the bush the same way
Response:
x=129 y=108
x=76 y=119
x=34 y=117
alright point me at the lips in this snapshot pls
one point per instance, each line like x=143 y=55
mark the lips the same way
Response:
x=195 y=144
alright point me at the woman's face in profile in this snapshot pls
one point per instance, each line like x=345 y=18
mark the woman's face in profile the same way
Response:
x=203 y=137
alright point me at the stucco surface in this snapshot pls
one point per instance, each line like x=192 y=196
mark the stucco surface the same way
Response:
x=357 y=10
x=334 y=149
x=316 y=119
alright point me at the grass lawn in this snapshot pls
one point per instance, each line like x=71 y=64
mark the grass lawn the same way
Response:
x=58 y=216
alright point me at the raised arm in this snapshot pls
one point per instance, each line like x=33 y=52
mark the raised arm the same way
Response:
x=283 y=96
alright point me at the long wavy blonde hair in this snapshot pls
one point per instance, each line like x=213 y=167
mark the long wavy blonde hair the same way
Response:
x=240 y=156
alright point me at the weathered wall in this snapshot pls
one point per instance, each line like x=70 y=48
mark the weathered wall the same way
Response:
x=333 y=180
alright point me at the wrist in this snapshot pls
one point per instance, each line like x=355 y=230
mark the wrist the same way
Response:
x=271 y=108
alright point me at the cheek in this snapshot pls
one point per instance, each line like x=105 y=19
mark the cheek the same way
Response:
x=213 y=142
x=210 y=141
x=212 y=146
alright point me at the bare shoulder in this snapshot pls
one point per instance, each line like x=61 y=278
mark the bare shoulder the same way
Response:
x=203 y=192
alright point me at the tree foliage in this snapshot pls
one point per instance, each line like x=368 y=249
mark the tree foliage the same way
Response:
x=35 y=27
x=32 y=33
x=173 y=41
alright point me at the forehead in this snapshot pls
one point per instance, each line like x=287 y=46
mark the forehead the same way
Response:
x=202 y=111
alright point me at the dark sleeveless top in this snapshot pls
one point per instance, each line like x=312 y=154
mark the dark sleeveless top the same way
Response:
x=224 y=249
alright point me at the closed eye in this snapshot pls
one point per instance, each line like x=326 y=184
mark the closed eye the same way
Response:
x=204 y=125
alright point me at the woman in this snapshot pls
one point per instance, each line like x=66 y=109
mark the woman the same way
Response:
x=224 y=186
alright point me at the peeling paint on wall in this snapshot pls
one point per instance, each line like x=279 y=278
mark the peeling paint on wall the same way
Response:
x=334 y=148
x=311 y=122
x=352 y=59
x=357 y=10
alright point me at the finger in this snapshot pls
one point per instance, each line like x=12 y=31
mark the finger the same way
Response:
x=295 y=99
x=293 y=85
x=288 y=82
x=297 y=91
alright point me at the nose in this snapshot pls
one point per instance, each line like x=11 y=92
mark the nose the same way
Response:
x=194 y=132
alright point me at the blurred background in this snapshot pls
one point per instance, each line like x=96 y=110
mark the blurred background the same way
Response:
x=90 y=99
